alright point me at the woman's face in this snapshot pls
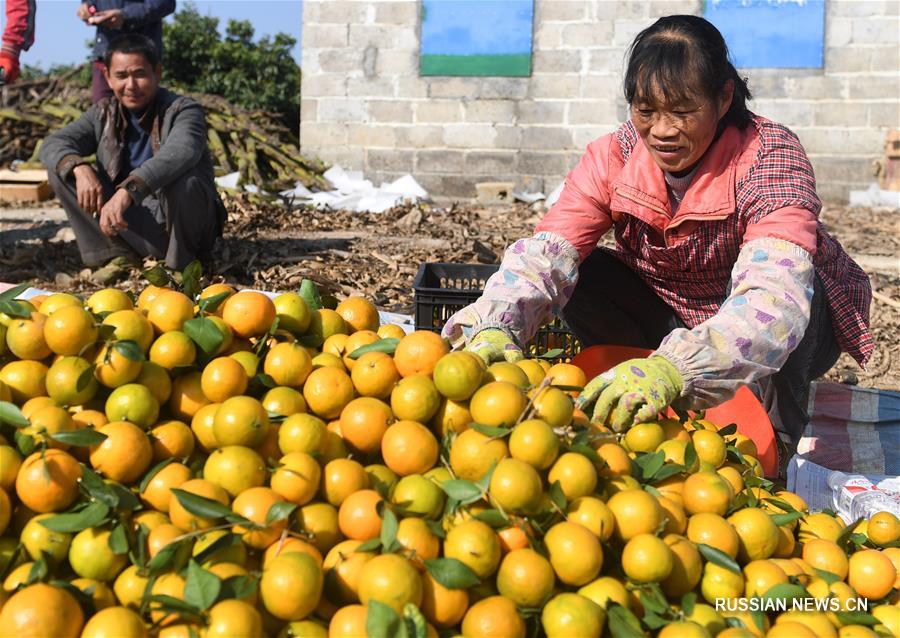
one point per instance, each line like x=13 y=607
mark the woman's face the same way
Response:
x=677 y=133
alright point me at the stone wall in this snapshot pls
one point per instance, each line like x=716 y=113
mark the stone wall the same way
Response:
x=365 y=107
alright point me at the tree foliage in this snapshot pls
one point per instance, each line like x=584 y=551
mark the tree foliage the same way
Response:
x=258 y=74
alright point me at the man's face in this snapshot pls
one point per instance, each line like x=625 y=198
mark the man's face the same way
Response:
x=133 y=80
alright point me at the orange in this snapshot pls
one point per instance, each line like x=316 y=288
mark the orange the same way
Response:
x=553 y=406
x=358 y=517
x=606 y=589
x=871 y=574
x=161 y=536
x=363 y=423
x=186 y=521
x=526 y=578
x=134 y=403
x=720 y=583
x=687 y=566
x=228 y=342
x=70 y=330
x=223 y=378
x=512 y=538
x=297 y=478
x=506 y=371
x=90 y=555
x=37 y=539
x=125 y=454
x=615 y=458
x=673 y=513
x=327 y=391
x=757 y=532
x=592 y=513
x=418 y=541
x=290 y=544
x=415 y=398
x=472 y=454
x=706 y=492
x=567 y=374
x=392 y=580
x=247 y=359
x=25 y=338
x=497 y=404
x=532 y=370
x=288 y=364
x=575 y=473
x=54 y=494
x=572 y=614
x=390 y=331
x=442 y=607
x=187 y=396
x=418 y=353
x=574 y=552
x=157 y=380
x=169 y=310
x=36 y=403
x=171 y=439
x=341 y=478
x=493 y=617
x=291 y=586
x=293 y=313
x=733 y=476
x=762 y=575
x=474 y=544
x=248 y=313
x=457 y=375
x=241 y=420
x=515 y=486
x=158 y=492
x=101 y=594
x=343 y=565
x=10 y=462
x=820 y=525
x=710 y=447
x=451 y=416
x=235 y=468
x=647 y=559
x=173 y=350
x=130 y=325
x=644 y=437
x=217 y=289
x=359 y=313
x=89 y=418
x=254 y=504
x=636 y=512
x=713 y=530
x=283 y=401
x=419 y=495
x=534 y=442
x=47 y=421
x=324 y=323
x=347 y=622
x=302 y=433
x=42 y=610
x=354 y=342
x=202 y=426
x=229 y=618
x=108 y=300
x=883 y=528
x=374 y=374
x=148 y=294
x=827 y=556
x=408 y=447
x=24 y=379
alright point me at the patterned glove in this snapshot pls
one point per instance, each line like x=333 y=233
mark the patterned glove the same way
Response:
x=10 y=65
x=632 y=392
x=493 y=344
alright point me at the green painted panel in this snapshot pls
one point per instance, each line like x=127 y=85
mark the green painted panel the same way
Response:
x=518 y=65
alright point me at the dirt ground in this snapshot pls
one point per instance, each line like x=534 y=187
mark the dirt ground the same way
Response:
x=271 y=247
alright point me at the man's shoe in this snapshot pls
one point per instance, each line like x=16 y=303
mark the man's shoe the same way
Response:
x=116 y=269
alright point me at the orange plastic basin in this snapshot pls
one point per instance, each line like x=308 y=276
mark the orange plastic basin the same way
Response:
x=744 y=408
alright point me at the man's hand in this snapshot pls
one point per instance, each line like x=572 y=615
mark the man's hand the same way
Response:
x=88 y=189
x=112 y=215
x=84 y=12
x=111 y=19
x=10 y=68
x=493 y=344
x=632 y=392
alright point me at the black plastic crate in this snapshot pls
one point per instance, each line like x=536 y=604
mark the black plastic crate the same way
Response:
x=441 y=289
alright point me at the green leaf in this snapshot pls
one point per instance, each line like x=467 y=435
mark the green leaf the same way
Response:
x=24 y=443
x=452 y=573
x=369 y=546
x=729 y=429
x=654 y=621
x=780 y=504
x=190 y=279
x=15 y=291
x=105 y=332
x=687 y=603
x=201 y=506
x=204 y=333
x=587 y=451
x=172 y=604
x=264 y=380
x=238 y=587
x=734 y=454
x=38 y=572
x=201 y=588
x=551 y=354
x=718 y=557
x=10 y=414
x=652 y=602
x=667 y=470
x=494 y=518
x=622 y=623
x=416 y=627
x=388 y=346
x=118 y=540
x=212 y=303
x=85 y=379
x=848 y=531
x=785 y=591
x=490 y=431
x=223 y=542
x=828 y=577
x=85 y=437
x=690 y=456
x=16 y=308
x=167 y=557
x=389 y=527
x=381 y=620
x=856 y=618
x=650 y=463
x=153 y=471
x=92 y=515
x=558 y=497
x=158 y=276
x=567 y=388
x=310 y=293
x=129 y=349
x=280 y=512
x=784 y=519
x=97 y=488
x=463 y=491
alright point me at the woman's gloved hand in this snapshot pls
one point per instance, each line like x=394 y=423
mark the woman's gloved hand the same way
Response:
x=632 y=392
x=493 y=344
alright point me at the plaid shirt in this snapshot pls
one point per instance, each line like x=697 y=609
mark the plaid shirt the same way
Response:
x=693 y=276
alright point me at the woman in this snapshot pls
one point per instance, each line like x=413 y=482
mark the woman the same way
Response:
x=720 y=264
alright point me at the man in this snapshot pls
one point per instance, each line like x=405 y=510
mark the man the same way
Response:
x=152 y=192
x=116 y=17
x=18 y=35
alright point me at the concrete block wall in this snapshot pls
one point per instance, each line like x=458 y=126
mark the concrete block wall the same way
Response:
x=365 y=106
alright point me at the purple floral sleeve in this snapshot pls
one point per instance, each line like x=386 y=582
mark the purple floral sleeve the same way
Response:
x=759 y=325
x=535 y=280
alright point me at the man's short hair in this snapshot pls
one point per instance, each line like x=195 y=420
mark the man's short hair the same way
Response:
x=132 y=43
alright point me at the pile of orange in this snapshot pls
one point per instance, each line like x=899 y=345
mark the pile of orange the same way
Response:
x=234 y=465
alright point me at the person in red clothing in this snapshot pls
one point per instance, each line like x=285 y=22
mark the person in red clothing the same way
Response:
x=721 y=265
x=18 y=36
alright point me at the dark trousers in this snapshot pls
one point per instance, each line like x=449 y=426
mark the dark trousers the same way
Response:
x=99 y=87
x=178 y=223
x=612 y=305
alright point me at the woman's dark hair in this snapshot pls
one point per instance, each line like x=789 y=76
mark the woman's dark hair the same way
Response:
x=132 y=43
x=678 y=51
